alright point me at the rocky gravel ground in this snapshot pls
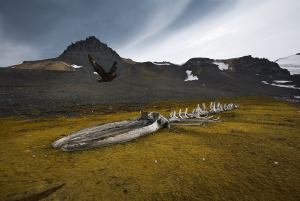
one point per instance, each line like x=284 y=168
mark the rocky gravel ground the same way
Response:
x=44 y=92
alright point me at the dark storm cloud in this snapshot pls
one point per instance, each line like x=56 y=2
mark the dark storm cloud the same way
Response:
x=26 y=20
x=43 y=29
x=148 y=29
x=51 y=26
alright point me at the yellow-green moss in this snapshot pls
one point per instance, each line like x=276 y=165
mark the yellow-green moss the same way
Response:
x=207 y=162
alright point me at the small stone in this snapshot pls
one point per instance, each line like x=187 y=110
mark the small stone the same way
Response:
x=155 y=161
x=269 y=114
x=33 y=156
x=204 y=159
x=278 y=138
x=234 y=131
x=276 y=163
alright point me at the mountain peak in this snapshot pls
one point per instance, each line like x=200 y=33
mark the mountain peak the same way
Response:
x=76 y=53
x=90 y=44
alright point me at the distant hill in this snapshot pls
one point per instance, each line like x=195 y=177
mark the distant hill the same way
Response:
x=44 y=65
x=74 y=58
x=76 y=55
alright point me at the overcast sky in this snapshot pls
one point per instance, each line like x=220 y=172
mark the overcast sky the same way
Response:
x=151 y=30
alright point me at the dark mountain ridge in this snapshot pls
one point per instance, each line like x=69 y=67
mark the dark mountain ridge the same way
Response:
x=137 y=82
x=248 y=64
x=76 y=53
x=104 y=55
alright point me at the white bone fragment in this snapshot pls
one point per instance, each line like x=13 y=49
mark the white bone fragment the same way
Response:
x=204 y=108
x=185 y=113
x=179 y=114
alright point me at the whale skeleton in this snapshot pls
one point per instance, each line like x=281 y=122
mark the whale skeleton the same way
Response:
x=127 y=130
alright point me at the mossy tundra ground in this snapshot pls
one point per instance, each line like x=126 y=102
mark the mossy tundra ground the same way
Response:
x=253 y=154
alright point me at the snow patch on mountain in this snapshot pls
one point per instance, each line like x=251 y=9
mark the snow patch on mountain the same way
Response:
x=280 y=83
x=75 y=66
x=221 y=65
x=291 y=63
x=190 y=76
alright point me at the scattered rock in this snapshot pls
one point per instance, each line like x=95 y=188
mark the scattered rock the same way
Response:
x=278 y=138
x=289 y=119
x=269 y=114
x=234 y=131
x=33 y=156
x=168 y=110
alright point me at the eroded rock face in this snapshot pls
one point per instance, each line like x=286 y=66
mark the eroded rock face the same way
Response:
x=76 y=53
x=201 y=62
x=248 y=64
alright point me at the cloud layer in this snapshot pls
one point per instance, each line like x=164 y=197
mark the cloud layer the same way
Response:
x=172 y=30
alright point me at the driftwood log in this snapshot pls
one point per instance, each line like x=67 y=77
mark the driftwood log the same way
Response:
x=127 y=130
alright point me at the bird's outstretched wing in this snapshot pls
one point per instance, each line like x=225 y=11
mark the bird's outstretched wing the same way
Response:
x=97 y=67
x=113 y=68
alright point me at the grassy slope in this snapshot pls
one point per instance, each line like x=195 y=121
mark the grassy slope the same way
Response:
x=208 y=162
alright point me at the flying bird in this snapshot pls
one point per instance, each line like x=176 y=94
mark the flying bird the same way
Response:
x=106 y=76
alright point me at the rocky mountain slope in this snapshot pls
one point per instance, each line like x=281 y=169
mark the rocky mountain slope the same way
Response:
x=76 y=55
x=44 y=65
x=55 y=82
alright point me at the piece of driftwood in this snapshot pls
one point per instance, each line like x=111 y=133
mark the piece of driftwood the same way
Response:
x=127 y=130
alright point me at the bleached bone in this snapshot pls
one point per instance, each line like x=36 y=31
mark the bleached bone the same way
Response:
x=179 y=114
x=137 y=127
x=198 y=110
x=237 y=106
x=221 y=108
x=198 y=124
x=204 y=108
x=93 y=129
x=152 y=120
x=185 y=113
x=212 y=109
x=125 y=137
